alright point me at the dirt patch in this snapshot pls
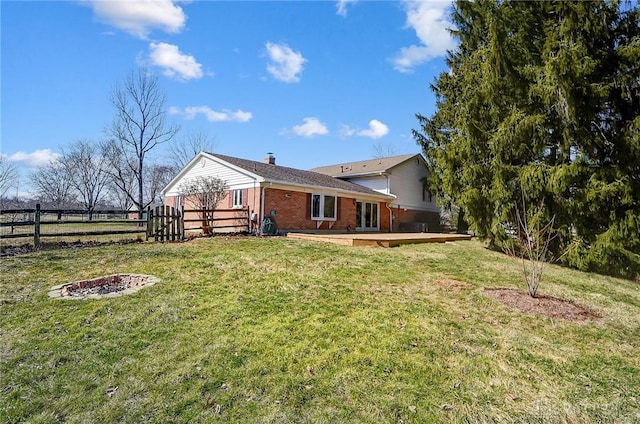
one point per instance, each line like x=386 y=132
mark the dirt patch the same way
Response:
x=453 y=285
x=547 y=306
x=29 y=248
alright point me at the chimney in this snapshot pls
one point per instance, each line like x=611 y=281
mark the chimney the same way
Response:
x=270 y=159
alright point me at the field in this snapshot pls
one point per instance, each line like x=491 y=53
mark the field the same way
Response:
x=275 y=330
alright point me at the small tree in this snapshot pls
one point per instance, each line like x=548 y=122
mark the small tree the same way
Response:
x=383 y=150
x=184 y=149
x=53 y=184
x=205 y=194
x=158 y=176
x=87 y=170
x=8 y=175
x=531 y=242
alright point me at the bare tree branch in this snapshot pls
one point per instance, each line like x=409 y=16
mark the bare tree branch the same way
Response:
x=53 y=185
x=205 y=194
x=138 y=127
x=533 y=237
x=185 y=149
x=87 y=170
x=8 y=175
x=383 y=150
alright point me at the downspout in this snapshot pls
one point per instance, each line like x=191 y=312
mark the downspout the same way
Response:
x=387 y=205
x=261 y=206
x=253 y=203
x=262 y=203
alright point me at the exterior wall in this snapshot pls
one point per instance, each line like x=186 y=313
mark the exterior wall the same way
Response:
x=377 y=183
x=206 y=167
x=411 y=220
x=405 y=182
x=412 y=209
x=292 y=212
x=383 y=217
x=235 y=218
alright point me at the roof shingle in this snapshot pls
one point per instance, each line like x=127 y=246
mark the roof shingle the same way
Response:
x=363 y=167
x=283 y=174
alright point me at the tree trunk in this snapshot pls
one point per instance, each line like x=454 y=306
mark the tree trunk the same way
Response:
x=461 y=225
x=140 y=189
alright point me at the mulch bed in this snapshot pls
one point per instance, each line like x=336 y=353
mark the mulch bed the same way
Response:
x=547 y=306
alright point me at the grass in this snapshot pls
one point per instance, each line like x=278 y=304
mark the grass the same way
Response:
x=277 y=330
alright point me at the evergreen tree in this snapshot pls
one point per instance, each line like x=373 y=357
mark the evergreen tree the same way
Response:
x=542 y=100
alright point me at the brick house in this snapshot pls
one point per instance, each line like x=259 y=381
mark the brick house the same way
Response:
x=413 y=207
x=297 y=200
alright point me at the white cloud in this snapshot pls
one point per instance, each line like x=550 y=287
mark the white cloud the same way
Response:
x=311 y=127
x=341 y=7
x=376 y=130
x=140 y=17
x=285 y=64
x=430 y=22
x=347 y=131
x=190 y=112
x=34 y=159
x=175 y=64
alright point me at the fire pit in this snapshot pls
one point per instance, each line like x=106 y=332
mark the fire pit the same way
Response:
x=109 y=286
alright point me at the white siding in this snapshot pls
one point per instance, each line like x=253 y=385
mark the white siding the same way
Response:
x=405 y=182
x=206 y=167
x=377 y=183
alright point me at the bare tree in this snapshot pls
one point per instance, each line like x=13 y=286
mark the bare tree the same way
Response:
x=87 y=169
x=118 y=197
x=158 y=178
x=383 y=150
x=53 y=184
x=8 y=175
x=531 y=242
x=138 y=127
x=205 y=194
x=184 y=150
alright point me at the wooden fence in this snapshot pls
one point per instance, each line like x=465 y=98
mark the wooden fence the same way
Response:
x=162 y=223
x=211 y=221
x=57 y=223
x=165 y=223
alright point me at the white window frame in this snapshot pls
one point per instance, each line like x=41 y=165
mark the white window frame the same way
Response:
x=237 y=199
x=321 y=216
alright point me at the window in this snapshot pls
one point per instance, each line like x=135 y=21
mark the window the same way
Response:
x=323 y=207
x=426 y=195
x=237 y=198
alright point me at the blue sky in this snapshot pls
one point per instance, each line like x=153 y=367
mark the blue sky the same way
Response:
x=314 y=82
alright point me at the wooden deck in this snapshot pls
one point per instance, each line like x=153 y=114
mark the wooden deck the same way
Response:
x=380 y=239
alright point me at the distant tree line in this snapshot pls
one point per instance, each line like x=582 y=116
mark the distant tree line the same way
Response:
x=540 y=105
x=120 y=170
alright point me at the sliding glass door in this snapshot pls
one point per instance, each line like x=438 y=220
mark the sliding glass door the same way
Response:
x=366 y=216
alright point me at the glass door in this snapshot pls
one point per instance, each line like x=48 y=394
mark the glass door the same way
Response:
x=366 y=216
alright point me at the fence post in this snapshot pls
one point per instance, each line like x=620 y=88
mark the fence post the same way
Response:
x=167 y=223
x=149 y=222
x=181 y=223
x=36 y=227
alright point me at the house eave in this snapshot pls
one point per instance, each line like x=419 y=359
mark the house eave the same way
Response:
x=307 y=188
x=214 y=158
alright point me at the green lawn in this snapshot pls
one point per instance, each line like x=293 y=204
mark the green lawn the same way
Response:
x=277 y=330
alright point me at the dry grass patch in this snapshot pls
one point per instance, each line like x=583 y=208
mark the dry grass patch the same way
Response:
x=453 y=285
